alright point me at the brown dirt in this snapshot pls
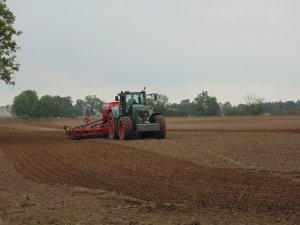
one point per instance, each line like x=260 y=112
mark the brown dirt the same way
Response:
x=207 y=176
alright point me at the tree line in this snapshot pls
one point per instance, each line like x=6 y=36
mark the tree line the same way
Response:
x=28 y=104
x=205 y=105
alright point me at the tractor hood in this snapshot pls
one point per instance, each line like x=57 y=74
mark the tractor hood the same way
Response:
x=142 y=113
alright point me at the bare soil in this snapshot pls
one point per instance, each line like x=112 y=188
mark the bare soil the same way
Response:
x=243 y=170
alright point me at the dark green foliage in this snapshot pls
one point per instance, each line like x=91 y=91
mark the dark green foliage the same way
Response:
x=283 y=108
x=260 y=108
x=185 y=108
x=80 y=107
x=24 y=102
x=205 y=105
x=291 y=107
x=92 y=105
x=44 y=107
x=239 y=110
x=27 y=104
x=49 y=106
x=160 y=105
x=182 y=109
x=8 y=46
x=298 y=106
x=226 y=108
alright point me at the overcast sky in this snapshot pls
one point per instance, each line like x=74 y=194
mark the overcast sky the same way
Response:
x=230 y=48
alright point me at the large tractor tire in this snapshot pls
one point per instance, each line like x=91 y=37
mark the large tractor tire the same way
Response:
x=111 y=126
x=161 y=134
x=125 y=128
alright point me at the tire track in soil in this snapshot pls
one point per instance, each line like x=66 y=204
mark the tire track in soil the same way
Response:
x=48 y=157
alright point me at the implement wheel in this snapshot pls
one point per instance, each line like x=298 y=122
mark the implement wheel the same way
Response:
x=161 y=134
x=125 y=128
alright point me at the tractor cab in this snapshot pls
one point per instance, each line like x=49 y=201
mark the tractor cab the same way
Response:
x=128 y=99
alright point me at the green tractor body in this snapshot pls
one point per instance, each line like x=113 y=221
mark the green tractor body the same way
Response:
x=132 y=118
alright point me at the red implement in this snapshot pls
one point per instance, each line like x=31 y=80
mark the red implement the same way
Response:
x=95 y=129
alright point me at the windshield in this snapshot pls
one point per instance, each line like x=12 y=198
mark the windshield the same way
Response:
x=139 y=98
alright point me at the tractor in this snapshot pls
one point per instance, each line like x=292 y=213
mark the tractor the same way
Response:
x=126 y=118
x=131 y=117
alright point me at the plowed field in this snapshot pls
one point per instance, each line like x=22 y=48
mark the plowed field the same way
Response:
x=243 y=170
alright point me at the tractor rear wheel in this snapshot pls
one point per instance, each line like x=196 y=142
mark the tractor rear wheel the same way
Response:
x=125 y=128
x=111 y=126
x=161 y=134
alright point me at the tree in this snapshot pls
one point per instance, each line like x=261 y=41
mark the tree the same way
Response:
x=255 y=104
x=5 y=110
x=173 y=110
x=185 y=107
x=64 y=106
x=24 y=102
x=93 y=105
x=160 y=105
x=45 y=107
x=205 y=105
x=290 y=107
x=298 y=106
x=53 y=106
x=226 y=107
x=80 y=107
x=8 y=46
x=253 y=99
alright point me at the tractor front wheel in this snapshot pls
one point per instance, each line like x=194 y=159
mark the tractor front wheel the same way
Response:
x=125 y=128
x=161 y=134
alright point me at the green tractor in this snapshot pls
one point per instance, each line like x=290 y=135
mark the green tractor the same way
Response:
x=132 y=118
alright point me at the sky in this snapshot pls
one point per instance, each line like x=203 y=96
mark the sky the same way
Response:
x=179 y=48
